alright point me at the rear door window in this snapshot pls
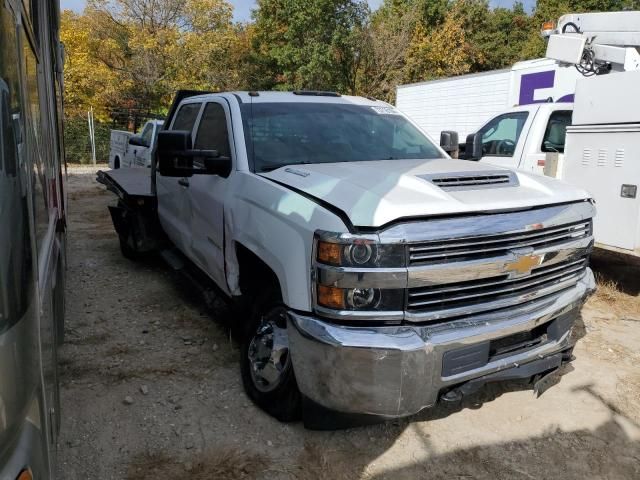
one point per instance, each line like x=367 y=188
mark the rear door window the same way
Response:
x=556 y=131
x=212 y=132
x=186 y=117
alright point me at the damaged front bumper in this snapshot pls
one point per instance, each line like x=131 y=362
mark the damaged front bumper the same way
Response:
x=395 y=371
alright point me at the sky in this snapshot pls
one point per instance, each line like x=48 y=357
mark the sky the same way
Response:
x=242 y=8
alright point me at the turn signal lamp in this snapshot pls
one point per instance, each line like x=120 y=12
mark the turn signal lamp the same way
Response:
x=548 y=28
x=331 y=297
x=329 y=253
x=25 y=475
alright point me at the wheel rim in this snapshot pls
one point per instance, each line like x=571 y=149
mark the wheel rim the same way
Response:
x=268 y=353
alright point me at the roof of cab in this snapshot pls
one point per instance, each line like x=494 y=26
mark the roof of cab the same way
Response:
x=291 y=97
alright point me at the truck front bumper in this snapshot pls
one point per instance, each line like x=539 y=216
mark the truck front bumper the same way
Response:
x=395 y=371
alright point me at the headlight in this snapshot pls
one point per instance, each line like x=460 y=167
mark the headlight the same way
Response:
x=356 y=273
x=360 y=299
x=357 y=252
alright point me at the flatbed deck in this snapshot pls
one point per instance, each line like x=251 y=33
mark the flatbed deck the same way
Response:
x=127 y=182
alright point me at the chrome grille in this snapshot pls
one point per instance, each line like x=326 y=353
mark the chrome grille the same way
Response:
x=472 y=248
x=507 y=291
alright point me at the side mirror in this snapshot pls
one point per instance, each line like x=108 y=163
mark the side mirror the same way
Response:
x=473 y=147
x=177 y=158
x=137 y=141
x=449 y=142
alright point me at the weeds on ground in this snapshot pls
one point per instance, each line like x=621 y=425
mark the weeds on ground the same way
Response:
x=222 y=463
x=610 y=297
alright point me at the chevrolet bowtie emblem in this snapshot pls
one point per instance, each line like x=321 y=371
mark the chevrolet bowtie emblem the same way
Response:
x=524 y=264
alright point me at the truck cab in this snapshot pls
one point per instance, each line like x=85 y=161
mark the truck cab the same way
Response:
x=140 y=149
x=128 y=150
x=522 y=136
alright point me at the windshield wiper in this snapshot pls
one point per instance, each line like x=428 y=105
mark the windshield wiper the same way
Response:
x=269 y=167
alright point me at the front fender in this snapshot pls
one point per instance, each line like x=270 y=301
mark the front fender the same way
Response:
x=277 y=225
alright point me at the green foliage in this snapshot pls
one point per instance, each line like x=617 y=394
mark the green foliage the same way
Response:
x=310 y=45
x=78 y=143
x=133 y=54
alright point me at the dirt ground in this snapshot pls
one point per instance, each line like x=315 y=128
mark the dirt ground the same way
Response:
x=151 y=390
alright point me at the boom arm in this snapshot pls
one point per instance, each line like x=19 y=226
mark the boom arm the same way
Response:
x=596 y=42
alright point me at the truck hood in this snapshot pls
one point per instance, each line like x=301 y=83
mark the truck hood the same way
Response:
x=374 y=193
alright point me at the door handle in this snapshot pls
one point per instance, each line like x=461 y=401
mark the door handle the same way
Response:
x=184 y=182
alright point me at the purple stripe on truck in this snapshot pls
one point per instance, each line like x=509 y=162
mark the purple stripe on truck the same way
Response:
x=530 y=82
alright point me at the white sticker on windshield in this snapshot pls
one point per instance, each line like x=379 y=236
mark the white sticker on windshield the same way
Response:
x=385 y=110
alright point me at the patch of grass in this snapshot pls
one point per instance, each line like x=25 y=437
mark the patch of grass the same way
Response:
x=315 y=462
x=223 y=463
x=610 y=296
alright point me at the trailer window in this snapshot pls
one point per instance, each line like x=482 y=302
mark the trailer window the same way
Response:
x=500 y=136
x=556 y=131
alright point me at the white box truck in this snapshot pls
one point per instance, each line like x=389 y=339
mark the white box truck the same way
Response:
x=465 y=103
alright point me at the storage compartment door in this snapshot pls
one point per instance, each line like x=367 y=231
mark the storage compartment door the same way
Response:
x=601 y=159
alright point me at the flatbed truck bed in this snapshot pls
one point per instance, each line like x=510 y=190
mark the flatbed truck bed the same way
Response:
x=135 y=217
x=127 y=182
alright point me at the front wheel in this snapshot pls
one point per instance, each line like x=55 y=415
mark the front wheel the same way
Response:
x=267 y=372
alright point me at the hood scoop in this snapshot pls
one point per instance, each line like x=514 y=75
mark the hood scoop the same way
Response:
x=473 y=180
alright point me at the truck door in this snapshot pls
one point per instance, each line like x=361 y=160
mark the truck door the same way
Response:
x=549 y=140
x=500 y=139
x=207 y=192
x=173 y=204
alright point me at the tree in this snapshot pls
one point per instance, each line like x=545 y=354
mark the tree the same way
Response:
x=442 y=52
x=88 y=81
x=309 y=45
x=134 y=54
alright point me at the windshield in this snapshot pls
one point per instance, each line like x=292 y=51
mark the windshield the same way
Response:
x=279 y=134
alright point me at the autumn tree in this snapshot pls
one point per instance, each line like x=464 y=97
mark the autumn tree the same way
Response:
x=443 y=51
x=88 y=81
x=386 y=39
x=311 y=45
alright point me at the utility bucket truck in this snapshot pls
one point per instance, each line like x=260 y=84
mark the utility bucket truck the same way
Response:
x=602 y=148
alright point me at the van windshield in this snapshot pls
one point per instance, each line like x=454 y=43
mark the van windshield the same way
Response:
x=280 y=134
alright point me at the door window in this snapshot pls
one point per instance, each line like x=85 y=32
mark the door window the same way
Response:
x=500 y=136
x=186 y=117
x=556 y=132
x=147 y=134
x=212 y=132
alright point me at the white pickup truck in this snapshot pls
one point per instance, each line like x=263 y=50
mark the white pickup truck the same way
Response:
x=129 y=150
x=522 y=137
x=375 y=275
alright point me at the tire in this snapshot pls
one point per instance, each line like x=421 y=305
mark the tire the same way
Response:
x=126 y=247
x=116 y=163
x=127 y=251
x=280 y=398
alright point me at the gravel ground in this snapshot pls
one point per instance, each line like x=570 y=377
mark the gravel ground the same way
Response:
x=151 y=390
